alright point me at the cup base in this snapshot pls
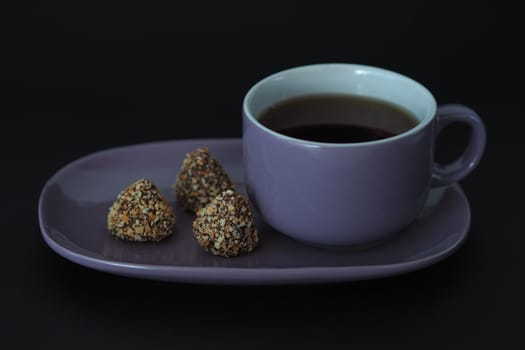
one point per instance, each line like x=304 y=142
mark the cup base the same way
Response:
x=345 y=248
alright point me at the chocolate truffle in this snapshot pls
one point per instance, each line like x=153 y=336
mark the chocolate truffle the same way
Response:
x=200 y=179
x=141 y=214
x=225 y=226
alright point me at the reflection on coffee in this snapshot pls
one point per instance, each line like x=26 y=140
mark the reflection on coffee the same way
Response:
x=337 y=118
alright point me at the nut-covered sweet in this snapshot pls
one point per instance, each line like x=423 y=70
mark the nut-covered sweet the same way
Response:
x=225 y=226
x=141 y=214
x=200 y=179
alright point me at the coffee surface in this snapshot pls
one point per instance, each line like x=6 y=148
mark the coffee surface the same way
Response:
x=336 y=133
x=334 y=118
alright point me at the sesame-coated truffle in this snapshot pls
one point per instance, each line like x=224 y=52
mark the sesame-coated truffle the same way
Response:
x=141 y=214
x=200 y=179
x=226 y=226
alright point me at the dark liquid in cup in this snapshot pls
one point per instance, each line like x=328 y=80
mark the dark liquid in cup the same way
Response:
x=335 y=118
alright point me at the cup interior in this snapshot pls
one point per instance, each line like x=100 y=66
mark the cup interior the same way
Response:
x=357 y=80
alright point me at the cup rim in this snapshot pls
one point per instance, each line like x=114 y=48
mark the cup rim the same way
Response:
x=421 y=125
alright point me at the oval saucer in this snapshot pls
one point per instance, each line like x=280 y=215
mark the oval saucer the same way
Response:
x=74 y=203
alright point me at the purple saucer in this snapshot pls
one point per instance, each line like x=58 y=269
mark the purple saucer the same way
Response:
x=74 y=204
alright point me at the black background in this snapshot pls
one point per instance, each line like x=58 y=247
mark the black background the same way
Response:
x=79 y=78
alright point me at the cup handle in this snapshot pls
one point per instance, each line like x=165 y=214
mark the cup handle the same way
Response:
x=443 y=175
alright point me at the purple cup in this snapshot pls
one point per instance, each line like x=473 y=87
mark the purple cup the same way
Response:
x=349 y=194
